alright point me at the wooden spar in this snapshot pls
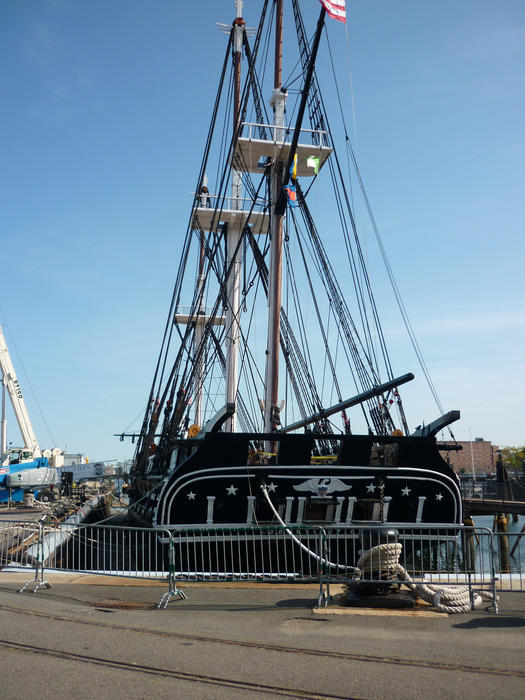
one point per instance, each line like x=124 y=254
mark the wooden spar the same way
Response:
x=271 y=400
x=237 y=78
x=281 y=204
x=354 y=401
x=278 y=68
x=280 y=176
x=233 y=234
x=198 y=338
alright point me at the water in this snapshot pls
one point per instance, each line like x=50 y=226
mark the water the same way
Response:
x=517 y=562
x=488 y=521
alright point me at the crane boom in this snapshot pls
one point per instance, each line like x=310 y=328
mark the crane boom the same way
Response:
x=12 y=385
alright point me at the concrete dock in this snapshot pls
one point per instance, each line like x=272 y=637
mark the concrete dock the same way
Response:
x=93 y=637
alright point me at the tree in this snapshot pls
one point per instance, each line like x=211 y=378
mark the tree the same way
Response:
x=514 y=458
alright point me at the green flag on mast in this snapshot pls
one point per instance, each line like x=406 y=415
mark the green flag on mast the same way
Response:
x=313 y=162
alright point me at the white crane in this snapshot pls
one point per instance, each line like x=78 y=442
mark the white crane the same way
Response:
x=12 y=385
x=31 y=449
x=26 y=467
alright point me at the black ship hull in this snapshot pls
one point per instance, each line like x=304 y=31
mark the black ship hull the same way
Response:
x=215 y=482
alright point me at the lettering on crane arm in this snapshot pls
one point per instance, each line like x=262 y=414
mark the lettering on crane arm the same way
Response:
x=17 y=388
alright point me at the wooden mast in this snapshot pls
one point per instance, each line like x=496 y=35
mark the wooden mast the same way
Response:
x=280 y=177
x=271 y=401
x=233 y=235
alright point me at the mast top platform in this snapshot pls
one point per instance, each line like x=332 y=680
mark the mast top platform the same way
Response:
x=209 y=218
x=253 y=153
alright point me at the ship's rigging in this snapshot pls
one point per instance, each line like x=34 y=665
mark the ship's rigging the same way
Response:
x=215 y=346
x=266 y=352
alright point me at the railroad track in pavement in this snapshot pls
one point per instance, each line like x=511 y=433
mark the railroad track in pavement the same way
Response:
x=275 y=648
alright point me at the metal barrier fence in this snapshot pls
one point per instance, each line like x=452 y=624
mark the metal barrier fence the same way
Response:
x=106 y=550
x=509 y=556
x=250 y=553
x=427 y=560
x=16 y=538
x=412 y=556
x=490 y=490
x=91 y=549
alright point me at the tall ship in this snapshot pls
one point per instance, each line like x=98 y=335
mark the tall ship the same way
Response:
x=274 y=398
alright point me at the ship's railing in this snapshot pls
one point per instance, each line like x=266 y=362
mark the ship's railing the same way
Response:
x=404 y=558
x=242 y=204
x=282 y=134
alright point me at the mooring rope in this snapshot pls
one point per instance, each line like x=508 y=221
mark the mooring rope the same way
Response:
x=449 y=598
x=298 y=541
x=384 y=558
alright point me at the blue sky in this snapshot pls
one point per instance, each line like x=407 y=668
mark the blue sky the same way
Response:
x=103 y=114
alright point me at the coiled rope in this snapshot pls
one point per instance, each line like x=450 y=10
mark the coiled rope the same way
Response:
x=384 y=559
x=449 y=598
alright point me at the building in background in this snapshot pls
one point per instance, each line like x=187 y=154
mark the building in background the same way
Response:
x=77 y=458
x=476 y=458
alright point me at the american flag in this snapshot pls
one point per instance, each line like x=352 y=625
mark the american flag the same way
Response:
x=335 y=8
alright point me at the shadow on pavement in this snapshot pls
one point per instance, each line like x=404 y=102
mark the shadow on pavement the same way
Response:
x=496 y=622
